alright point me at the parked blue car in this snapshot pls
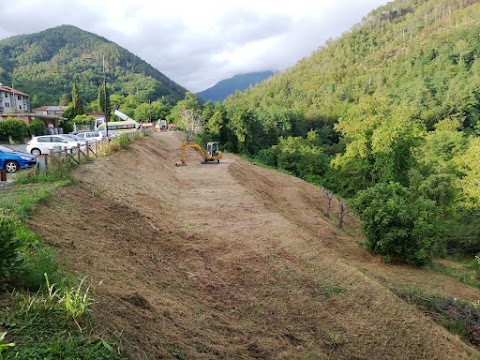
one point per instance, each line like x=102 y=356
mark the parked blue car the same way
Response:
x=13 y=160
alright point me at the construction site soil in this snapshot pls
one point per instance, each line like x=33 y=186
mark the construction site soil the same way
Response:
x=233 y=261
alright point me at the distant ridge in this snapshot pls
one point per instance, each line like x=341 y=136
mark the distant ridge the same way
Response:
x=45 y=65
x=225 y=88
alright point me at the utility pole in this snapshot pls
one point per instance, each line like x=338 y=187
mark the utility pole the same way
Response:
x=105 y=95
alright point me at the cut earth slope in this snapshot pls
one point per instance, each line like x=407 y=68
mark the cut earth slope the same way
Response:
x=232 y=261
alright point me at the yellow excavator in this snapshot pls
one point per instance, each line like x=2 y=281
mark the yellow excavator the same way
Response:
x=212 y=154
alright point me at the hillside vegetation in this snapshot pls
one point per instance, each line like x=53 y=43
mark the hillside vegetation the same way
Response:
x=393 y=107
x=46 y=64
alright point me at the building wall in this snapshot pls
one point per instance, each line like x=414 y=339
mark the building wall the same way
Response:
x=13 y=102
x=25 y=118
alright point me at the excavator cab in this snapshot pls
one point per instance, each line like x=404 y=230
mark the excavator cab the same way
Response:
x=213 y=148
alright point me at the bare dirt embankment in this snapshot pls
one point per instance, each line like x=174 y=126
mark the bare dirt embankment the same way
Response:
x=232 y=261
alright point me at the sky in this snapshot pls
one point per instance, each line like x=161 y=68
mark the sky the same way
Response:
x=197 y=43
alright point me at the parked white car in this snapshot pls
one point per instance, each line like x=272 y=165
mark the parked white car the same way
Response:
x=90 y=136
x=79 y=140
x=112 y=134
x=41 y=145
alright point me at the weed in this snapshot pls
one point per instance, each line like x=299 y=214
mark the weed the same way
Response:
x=10 y=244
x=178 y=353
x=74 y=300
x=465 y=271
x=3 y=345
x=77 y=301
x=39 y=260
x=459 y=317
x=42 y=328
x=325 y=290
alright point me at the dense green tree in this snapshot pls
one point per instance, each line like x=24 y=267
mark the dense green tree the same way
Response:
x=379 y=141
x=469 y=163
x=64 y=100
x=77 y=103
x=398 y=227
x=83 y=119
x=151 y=112
x=187 y=109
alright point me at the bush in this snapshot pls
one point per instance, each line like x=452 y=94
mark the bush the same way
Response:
x=16 y=129
x=10 y=248
x=399 y=228
x=37 y=128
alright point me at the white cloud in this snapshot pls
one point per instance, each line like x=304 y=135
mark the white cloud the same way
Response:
x=198 y=43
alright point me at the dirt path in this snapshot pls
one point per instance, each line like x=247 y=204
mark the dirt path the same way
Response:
x=232 y=261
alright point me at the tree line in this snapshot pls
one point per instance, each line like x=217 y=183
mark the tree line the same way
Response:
x=387 y=117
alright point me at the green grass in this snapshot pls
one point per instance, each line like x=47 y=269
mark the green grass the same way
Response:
x=46 y=316
x=41 y=328
x=465 y=270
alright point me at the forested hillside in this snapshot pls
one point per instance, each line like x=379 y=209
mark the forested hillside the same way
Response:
x=393 y=108
x=227 y=87
x=46 y=64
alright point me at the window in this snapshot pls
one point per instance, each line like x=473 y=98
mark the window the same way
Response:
x=19 y=97
x=7 y=105
x=20 y=107
x=43 y=139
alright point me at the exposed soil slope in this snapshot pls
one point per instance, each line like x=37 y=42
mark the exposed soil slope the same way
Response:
x=232 y=261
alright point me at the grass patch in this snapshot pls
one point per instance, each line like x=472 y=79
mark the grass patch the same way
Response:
x=322 y=289
x=461 y=318
x=42 y=327
x=465 y=270
x=47 y=316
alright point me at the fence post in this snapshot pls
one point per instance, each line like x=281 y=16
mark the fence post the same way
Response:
x=3 y=175
x=42 y=164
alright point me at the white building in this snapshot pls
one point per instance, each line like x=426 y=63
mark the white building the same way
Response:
x=12 y=100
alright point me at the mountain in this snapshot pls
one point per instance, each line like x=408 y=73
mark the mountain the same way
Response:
x=420 y=56
x=45 y=65
x=388 y=113
x=225 y=88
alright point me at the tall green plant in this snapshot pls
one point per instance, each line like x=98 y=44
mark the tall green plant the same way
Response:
x=10 y=246
x=399 y=227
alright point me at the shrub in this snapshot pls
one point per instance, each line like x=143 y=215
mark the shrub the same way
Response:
x=10 y=248
x=16 y=129
x=37 y=128
x=398 y=227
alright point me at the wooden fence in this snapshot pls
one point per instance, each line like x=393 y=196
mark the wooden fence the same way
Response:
x=77 y=155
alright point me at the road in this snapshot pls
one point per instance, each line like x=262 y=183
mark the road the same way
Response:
x=18 y=147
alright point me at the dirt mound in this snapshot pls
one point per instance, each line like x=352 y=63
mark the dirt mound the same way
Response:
x=229 y=261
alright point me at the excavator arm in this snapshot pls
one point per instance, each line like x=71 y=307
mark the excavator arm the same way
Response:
x=211 y=156
x=195 y=147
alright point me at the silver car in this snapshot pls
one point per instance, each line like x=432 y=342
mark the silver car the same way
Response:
x=91 y=136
